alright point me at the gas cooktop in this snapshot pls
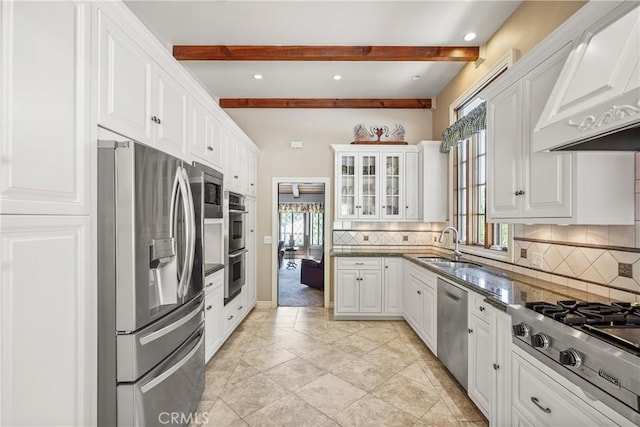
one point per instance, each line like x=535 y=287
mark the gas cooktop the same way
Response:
x=618 y=323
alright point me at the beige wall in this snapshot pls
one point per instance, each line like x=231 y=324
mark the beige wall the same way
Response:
x=531 y=22
x=273 y=129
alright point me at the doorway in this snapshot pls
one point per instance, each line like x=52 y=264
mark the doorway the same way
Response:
x=300 y=235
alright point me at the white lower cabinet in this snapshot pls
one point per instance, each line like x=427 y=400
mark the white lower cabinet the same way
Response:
x=213 y=306
x=540 y=399
x=364 y=289
x=393 y=275
x=480 y=360
x=233 y=314
x=49 y=321
x=420 y=300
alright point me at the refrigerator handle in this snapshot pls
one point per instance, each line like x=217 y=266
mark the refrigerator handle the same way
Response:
x=185 y=274
x=191 y=245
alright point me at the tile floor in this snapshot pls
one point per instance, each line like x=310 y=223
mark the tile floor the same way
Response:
x=295 y=366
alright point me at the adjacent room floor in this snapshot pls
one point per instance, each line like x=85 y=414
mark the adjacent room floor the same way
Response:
x=291 y=293
x=297 y=367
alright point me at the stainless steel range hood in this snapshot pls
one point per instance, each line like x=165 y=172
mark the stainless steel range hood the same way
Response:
x=595 y=104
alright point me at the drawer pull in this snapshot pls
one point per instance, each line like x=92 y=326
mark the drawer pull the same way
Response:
x=496 y=366
x=240 y=308
x=209 y=307
x=470 y=331
x=230 y=317
x=482 y=308
x=537 y=403
x=359 y=263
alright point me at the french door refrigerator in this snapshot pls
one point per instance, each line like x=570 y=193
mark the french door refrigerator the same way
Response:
x=150 y=276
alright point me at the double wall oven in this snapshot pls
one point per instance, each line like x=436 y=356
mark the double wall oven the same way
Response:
x=235 y=230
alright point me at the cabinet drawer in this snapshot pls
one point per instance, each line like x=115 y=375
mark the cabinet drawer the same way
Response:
x=360 y=263
x=544 y=402
x=233 y=312
x=479 y=307
x=214 y=281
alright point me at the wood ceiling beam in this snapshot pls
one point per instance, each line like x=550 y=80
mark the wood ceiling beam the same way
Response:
x=323 y=103
x=325 y=53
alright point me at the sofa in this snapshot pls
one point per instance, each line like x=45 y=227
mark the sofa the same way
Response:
x=312 y=273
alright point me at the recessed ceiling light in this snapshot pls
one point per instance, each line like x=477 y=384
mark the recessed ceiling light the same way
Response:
x=469 y=36
x=257 y=76
x=416 y=77
x=336 y=77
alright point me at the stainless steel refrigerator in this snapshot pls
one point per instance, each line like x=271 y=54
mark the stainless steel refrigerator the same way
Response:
x=150 y=276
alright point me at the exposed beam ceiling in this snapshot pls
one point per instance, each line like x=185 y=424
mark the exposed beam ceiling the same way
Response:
x=325 y=53
x=323 y=103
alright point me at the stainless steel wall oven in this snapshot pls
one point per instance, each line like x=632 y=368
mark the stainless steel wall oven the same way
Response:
x=235 y=244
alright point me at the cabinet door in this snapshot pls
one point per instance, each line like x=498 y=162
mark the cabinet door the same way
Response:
x=172 y=111
x=252 y=171
x=198 y=133
x=392 y=186
x=125 y=79
x=480 y=364
x=346 y=185
x=213 y=150
x=547 y=176
x=45 y=132
x=504 y=153
x=429 y=316
x=370 y=291
x=393 y=274
x=49 y=321
x=369 y=177
x=251 y=277
x=411 y=187
x=412 y=301
x=347 y=291
x=215 y=321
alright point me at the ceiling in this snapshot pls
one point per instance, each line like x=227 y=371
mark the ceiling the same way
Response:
x=328 y=23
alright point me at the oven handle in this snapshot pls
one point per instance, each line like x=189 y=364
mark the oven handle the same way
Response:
x=238 y=211
x=237 y=254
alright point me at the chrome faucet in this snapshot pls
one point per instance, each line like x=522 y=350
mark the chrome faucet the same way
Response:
x=456 y=251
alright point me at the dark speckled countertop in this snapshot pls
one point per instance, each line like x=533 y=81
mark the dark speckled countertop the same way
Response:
x=500 y=287
x=212 y=268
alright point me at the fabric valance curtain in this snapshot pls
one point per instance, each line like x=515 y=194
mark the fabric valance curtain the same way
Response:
x=311 y=207
x=463 y=128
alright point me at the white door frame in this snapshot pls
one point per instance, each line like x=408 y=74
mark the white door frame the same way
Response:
x=274 y=231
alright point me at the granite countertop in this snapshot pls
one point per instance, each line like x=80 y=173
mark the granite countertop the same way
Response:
x=500 y=287
x=210 y=268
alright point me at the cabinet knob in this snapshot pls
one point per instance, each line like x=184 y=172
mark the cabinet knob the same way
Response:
x=519 y=192
x=496 y=366
x=210 y=148
x=154 y=119
x=482 y=308
x=406 y=207
x=159 y=121
x=470 y=331
x=384 y=207
x=419 y=292
x=209 y=307
x=252 y=184
x=235 y=176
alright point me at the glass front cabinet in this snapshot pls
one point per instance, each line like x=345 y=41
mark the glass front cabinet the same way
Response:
x=392 y=182
x=357 y=185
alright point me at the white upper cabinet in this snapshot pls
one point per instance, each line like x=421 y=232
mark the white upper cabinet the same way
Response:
x=206 y=136
x=138 y=99
x=599 y=87
x=525 y=186
x=45 y=132
x=399 y=183
x=392 y=185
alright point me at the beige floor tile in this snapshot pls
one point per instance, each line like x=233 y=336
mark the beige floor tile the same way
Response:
x=373 y=412
x=222 y=415
x=273 y=333
x=328 y=357
x=440 y=377
x=379 y=335
x=299 y=343
x=267 y=357
x=252 y=394
x=290 y=411
x=243 y=371
x=389 y=356
x=438 y=416
x=330 y=423
x=330 y=394
x=410 y=396
x=214 y=384
x=416 y=373
x=324 y=333
x=363 y=374
x=223 y=360
x=473 y=424
x=356 y=344
x=295 y=373
x=459 y=404
x=257 y=343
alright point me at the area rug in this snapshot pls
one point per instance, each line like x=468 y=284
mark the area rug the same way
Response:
x=292 y=293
